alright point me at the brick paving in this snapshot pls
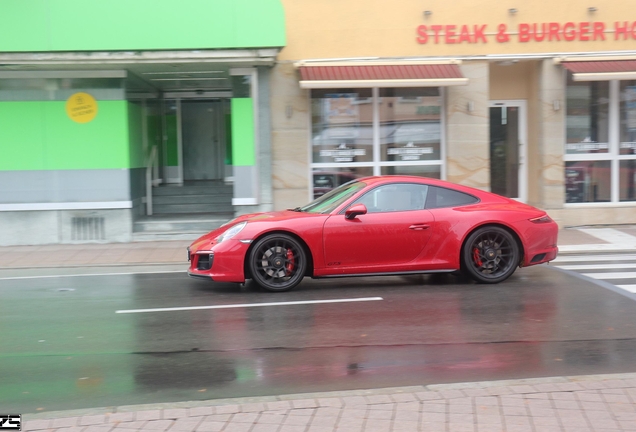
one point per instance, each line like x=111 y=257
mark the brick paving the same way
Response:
x=597 y=403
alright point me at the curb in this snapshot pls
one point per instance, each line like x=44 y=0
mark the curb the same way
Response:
x=432 y=388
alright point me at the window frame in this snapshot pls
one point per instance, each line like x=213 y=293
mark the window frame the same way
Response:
x=376 y=164
x=613 y=155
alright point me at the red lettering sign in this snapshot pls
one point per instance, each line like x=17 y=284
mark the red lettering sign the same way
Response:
x=526 y=32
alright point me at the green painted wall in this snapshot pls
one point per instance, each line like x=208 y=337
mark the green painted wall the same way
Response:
x=39 y=135
x=243 y=132
x=81 y=25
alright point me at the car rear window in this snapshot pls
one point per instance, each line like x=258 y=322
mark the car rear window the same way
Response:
x=439 y=197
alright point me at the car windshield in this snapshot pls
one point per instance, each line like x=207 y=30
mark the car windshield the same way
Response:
x=332 y=199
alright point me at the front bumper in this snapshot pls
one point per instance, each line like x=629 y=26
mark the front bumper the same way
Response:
x=222 y=262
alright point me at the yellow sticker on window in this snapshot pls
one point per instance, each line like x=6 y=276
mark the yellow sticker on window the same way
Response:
x=81 y=107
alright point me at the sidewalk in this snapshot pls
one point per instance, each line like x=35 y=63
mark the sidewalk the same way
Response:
x=579 y=403
x=571 y=240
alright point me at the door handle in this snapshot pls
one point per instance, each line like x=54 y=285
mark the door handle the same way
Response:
x=419 y=227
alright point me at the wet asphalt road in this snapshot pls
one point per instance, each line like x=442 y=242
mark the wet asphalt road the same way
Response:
x=63 y=346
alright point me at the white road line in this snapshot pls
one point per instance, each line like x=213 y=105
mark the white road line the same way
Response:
x=630 y=288
x=589 y=258
x=598 y=248
x=91 y=274
x=598 y=266
x=617 y=275
x=610 y=235
x=247 y=305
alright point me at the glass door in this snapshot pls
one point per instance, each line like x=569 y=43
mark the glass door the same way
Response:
x=508 y=167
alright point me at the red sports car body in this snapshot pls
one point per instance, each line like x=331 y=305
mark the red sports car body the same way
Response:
x=386 y=225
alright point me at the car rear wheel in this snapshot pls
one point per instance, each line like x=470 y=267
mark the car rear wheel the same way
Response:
x=277 y=262
x=490 y=255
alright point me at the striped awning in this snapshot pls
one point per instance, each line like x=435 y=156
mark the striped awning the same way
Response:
x=380 y=75
x=601 y=70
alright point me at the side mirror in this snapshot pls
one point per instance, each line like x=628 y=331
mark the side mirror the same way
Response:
x=355 y=210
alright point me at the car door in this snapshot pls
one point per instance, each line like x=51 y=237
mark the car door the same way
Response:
x=393 y=232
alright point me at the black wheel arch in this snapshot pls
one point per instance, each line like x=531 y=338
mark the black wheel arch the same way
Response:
x=310 y=259
x=512 y=232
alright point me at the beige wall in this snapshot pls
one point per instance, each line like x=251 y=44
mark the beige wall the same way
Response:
x=377 y=28
x=350 y=29
x=467 y=132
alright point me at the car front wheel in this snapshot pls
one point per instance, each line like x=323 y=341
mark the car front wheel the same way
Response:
x=277 y=262
x=490 y=255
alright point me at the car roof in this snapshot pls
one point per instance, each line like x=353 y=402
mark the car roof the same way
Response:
x=424 y=180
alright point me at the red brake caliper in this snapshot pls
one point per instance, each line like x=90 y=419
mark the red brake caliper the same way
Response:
x=476 y=257
x=291 y=262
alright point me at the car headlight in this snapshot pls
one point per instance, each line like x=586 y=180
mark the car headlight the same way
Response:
x=231 y=232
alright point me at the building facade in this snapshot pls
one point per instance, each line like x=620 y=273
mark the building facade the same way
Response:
x=535 y=100
x=117 y=113
x=116 y=116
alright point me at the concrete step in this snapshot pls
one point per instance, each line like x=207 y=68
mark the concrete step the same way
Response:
x=168 y=236
x=192 y=199
x=222 y=190
x=178 y=224
x=192 y=208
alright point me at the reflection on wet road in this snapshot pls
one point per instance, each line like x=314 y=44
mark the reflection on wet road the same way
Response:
x=64 y=346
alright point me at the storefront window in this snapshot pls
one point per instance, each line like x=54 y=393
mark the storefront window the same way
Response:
x=326 y=179
x=431 y=171
x=410 y=124
x=627 y=174
x=591 y=163
x=587 y=181
x=363 y=132
x=342 y=126
x=587 y=117
x=628 y=118
x=60 y=89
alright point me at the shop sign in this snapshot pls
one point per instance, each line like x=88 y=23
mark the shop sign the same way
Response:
x=586 y=146
x=343 y=153
x=409 y=152
x=525 y=32
x=81 y=107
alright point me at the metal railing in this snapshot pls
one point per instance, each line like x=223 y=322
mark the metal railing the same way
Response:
x=152 y=177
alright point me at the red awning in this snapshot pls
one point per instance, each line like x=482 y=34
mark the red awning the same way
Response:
x=601 y=70
x=386 y=75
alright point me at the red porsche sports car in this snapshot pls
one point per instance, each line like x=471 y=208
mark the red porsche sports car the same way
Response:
x=387 y=225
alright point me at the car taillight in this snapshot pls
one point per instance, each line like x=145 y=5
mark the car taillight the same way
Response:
x=542 y=219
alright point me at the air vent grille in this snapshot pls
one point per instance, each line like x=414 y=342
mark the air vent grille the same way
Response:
x=87 y=228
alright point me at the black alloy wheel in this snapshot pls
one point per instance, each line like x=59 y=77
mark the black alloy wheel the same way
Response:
x=277 y=262
x=490 y=255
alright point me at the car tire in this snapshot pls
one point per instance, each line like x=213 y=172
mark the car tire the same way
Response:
x=277 y=262
x=490 y=255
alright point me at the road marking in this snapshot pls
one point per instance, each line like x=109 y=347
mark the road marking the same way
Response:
x=248 y=305
x=91 y=274
x=617 y=275
x=598 y=266
x=589 y=258
x=630 y=288
x=610 y=235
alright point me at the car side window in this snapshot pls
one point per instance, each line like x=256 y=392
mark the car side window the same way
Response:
x=395 y=197
x=439 y=197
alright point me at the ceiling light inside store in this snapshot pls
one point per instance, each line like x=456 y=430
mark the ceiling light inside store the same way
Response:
x=188 y=79
x=512 y=11
x=592 y=9
x=189 y=72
